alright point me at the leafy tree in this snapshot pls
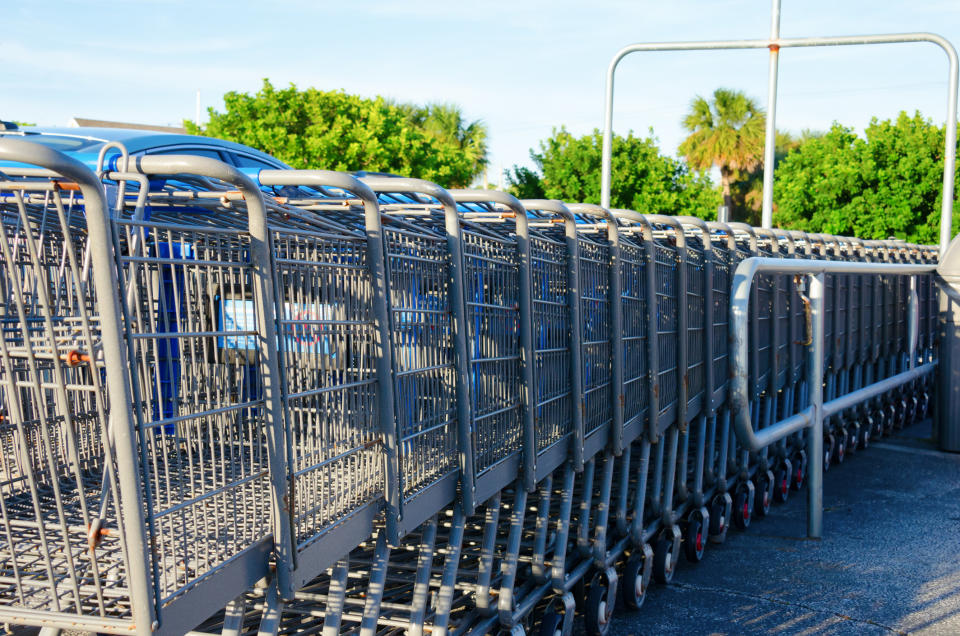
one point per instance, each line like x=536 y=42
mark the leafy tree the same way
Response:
x=747 y=191
x=525 y=183
x=642 y=178
x=336 y=131
x=727 y=133
x=446 y=124
x=886 y=183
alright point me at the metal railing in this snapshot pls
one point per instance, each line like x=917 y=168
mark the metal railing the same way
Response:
x=774 y=44
x=816 y=411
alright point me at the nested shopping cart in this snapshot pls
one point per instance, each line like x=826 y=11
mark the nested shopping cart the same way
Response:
x=743 y=488
x=424 y=271
x=499 y=279
x=147 y=499
x=338 y=393
x=601 y=328
x=695 y=439
x=499 y=325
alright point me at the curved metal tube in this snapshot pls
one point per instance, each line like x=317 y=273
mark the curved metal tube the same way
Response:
x=716 y=226
x=950 y=139
x=742 y=284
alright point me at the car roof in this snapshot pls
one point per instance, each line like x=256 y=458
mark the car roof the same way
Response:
x=136 y=140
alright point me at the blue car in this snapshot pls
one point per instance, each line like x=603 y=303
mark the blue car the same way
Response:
x=85 y=143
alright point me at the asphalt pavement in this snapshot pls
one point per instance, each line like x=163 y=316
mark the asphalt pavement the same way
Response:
x=889 y=560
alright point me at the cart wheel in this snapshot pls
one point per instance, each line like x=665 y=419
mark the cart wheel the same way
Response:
x=879 y=422
x=840 y=446
x=720 y=509
x=580 y=593
x=866 y=431
x=781 y=481
x=853 y=438
x=828 y=446
x=598 y=611
x=636 y=578
x=665 y=554
x=924 y=405
x=912 y=409
x=891 y=417
x=799 y=470
x=764 y=493
x=743 y=505
x=551 y=624
x=695 y=540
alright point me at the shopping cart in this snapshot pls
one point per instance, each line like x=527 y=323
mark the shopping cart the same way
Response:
x=123 y=439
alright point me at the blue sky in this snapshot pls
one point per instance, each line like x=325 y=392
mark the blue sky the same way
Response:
x=521 y=67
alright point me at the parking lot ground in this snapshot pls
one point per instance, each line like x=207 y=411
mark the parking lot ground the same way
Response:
x=889 y=560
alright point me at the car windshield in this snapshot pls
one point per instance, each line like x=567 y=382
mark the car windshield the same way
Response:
x=63 y=143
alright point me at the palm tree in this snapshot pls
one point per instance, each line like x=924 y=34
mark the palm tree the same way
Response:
x=445 y=122
x=727 y=133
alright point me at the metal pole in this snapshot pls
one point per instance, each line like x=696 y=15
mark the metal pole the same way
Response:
x=607 y=151
x=950 y=143
x=950 y=151
x=913 y=326
x=770 y=137
x=815 y=433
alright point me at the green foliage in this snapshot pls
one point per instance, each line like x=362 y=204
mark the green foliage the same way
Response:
x=887 y=183
x=525 y=183
x=746 y=192
x=642 y=179
x=336 y=131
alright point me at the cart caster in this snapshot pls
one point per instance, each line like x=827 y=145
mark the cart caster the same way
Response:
x=557 y=620
x=695 y=535
x=866 y=431
x=636 y=578
x=743 y=505
x=551 y=624
x=600 y=603
x=879 y=422
x=799 y=470
x=853 y=437
x=891 y=418
x=828 y=446
x=665 y=554
x=840 y=446
x=764 y=493
x=912 y=410
x=924 y=406
x=781 y=481
x=720 y=509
